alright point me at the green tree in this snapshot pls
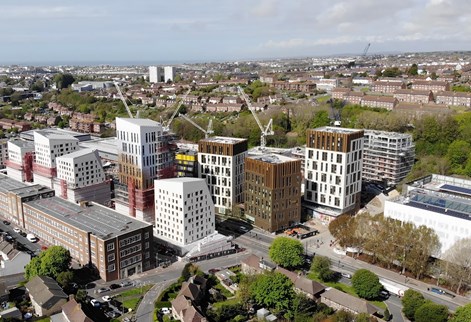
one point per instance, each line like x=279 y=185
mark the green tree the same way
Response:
x=51 y=262
x=286 y=252
x=37 y=86
x=458 y=152
x=343 y=316
x=411 y=301
x=431 y=312
x=462 y=314
x=387 y=315
x=413 y=70
x=273 y=290
x=320 y=119
x=366 y=284
x=15 y=98
x=321 y=266
x=81 y=295
x=63 y=80
x=65 y=278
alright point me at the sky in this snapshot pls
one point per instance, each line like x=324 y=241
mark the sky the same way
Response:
x=155 y=31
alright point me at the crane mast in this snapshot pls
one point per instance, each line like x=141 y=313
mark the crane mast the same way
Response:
x=123 y=100
x=206 y=132
x=169 y=122
x=268 y=130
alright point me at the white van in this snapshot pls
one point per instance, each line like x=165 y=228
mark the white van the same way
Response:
x=31 y=238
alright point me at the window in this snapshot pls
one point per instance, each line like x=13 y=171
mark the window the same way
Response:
x=110 y=247
x=111 y=257
x=146 y=235
x=111 y=267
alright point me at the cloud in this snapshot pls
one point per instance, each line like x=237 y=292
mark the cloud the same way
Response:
x=25 y=12
x=266 y=8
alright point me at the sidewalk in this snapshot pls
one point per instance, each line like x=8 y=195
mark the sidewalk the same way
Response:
x=145 y=310
x=412 y=283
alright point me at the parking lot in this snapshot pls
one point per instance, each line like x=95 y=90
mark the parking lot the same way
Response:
x=18 y=236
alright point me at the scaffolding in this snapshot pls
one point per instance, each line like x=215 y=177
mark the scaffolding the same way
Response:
x=28 y=166
x=44 y=171
x=132 y=197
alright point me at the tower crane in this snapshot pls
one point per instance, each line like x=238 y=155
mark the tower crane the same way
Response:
x=206 y=132
x=123 y=100
x=268 y=130
x=365 y=51
x=169 y=122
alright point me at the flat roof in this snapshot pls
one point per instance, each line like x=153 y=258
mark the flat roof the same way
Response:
x=100 y=221
x=22 y=143
x=76 y=154
x=8 y=184
x=29 y=135
x=223 y=139
x=181 y=179
x=387 y=134
x=332 y=129
x=140 y=122
x=21 y=189
x=55 y=135
x=272 y=158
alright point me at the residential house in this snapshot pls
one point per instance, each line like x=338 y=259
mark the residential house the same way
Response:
x=185 y=307
x=255 y=265
x=340 y=93
x=11 y=314
x=414 y=96
x=386 y=102
x=71 y=312
x=434 y=86
x=231 y=100
x=453 y=98
x=305 y=87
x=310 y=288
x=47 y=297
x=354 y=97
x=387 y=86
x=12 y=261
x=339 y=300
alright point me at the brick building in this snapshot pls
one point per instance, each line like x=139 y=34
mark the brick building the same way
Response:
x=414 y=96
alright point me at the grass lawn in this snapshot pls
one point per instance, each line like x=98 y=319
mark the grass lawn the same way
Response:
x=344 y=288
x=323 y=99
x=136 y=291
x=132 y=303
x=46 y=319
x=231 y=301
x=223 y=290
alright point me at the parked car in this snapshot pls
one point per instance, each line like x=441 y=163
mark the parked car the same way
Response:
x=102 y=290
x=95 y=303
x=112 y=314
x=106 y=298
x=17 y=230
x=6 y=222
x=114 y=286
x=22 y=233
x=126 y=283
x=165 y=310
x=346 y=275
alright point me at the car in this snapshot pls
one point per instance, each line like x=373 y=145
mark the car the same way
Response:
x=112 y=314
x=95 y=303
x=106 y=298
x=6 y=222
x=17 y=230
x=346 y=275
x=165 y=310
x=384 y=294
x=22 y=233
x=243 y=229
x=114 y=286
x=102 y=290
x=126 y=283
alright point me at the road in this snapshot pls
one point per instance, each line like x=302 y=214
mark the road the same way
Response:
x=32 y=247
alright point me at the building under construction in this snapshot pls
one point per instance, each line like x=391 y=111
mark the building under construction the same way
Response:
x=145 y=153
x=388 y=157
x=20 y=160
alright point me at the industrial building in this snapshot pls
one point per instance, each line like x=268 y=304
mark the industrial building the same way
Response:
x=184 y=212
x=116 y=245
x=439 y=202
x=80 y=177
x=333 y=172
x=221 y=164
x=387 y=156
x=144 y=154
x=272 y=191
x=48 y=145
x=20 y=160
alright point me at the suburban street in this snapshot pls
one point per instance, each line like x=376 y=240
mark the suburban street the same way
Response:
x=257 y=242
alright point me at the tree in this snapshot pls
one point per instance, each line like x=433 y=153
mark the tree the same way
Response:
x=63 y=80
x=65 y=278
x=457 y=263
x=81 y=295
x=343 y=316
x=37 y=86
x=15 y=98
x=462 y=314
x=321 y=266
x=366 y=284
x=458 y=152
x=431 y=312
x=411 y=301
x=321 y=118
x=387 y=315
x=413 y=70
x=274 y=290
x=343 y=229
x=51 y=262
x=286 y=252
x=425 y=244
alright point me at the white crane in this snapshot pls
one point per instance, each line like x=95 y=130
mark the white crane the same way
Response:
x=124 y=100
x=169 y=122
x=268 y=130
x=206 y=132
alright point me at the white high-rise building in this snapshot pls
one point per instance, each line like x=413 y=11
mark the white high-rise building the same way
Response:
x=80 y=177
x=169 y=72
x=184 y=211
x=155 y=74
x=221 y=164
x=333 y=171
x=20 y=167
x=47 y=147
x=143 y=156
